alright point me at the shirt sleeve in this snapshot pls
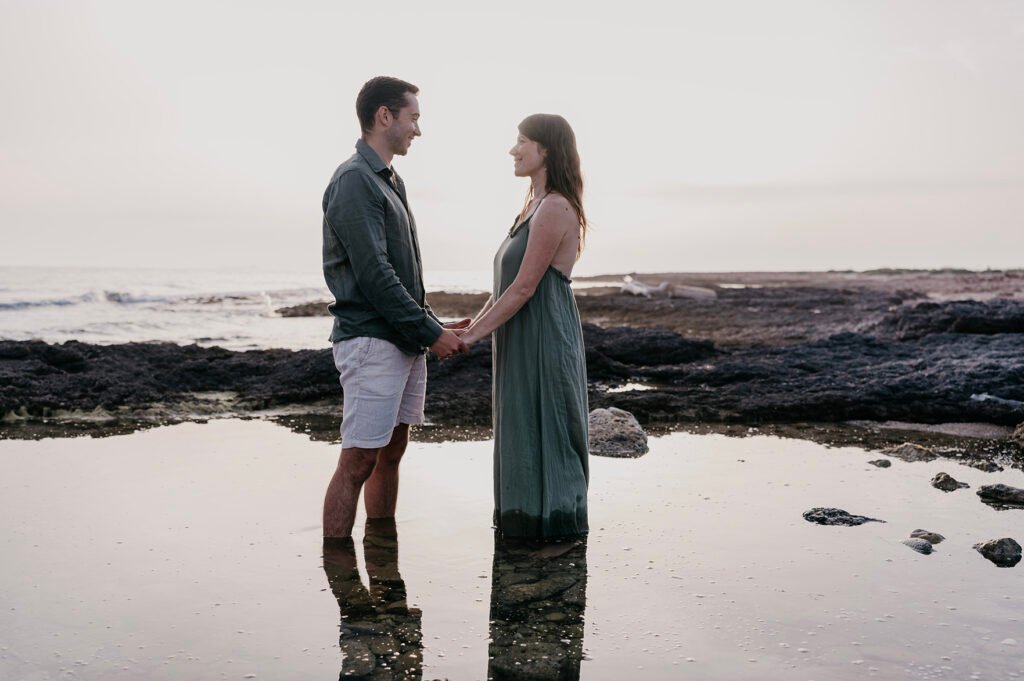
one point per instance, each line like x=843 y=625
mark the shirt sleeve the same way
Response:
x=357 y=219
x=430 y=312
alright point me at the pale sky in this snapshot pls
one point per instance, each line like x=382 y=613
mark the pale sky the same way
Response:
x=714 y=135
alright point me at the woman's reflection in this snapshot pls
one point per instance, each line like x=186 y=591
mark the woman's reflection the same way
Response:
x=538 y=595
x=381 y=636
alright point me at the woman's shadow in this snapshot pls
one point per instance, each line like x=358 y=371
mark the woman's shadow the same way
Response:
x=381 y=636
x=538 y=598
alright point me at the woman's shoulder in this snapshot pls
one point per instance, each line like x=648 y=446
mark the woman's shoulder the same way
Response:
x=556 y=208
x=556 y=199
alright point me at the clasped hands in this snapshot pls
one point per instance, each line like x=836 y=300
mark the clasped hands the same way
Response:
x=449 y=342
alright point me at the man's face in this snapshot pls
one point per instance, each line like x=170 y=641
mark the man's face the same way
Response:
x=405 y=126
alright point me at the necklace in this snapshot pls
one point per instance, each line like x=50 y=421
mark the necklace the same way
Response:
x=516 y=225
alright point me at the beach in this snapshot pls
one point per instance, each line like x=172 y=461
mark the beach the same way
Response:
x=756 y=349
x=163 y=497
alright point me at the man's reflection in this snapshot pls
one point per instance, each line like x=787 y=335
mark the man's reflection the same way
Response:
x=538 y=595
x=381 y=636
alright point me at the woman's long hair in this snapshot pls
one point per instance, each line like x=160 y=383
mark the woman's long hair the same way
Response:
x=562 y=162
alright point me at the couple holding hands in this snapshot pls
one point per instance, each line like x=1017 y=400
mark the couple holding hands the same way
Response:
x=383 y=326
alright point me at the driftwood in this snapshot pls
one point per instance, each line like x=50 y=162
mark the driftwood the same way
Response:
x=666 y=290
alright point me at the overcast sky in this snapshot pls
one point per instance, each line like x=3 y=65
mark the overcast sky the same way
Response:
x=714 y=135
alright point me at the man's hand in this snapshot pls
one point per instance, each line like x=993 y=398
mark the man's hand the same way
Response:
x=448 y=344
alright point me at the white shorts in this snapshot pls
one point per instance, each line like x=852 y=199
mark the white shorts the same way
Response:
x=383 y=387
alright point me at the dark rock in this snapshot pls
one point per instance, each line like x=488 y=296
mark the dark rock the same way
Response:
x=1018 y=435
x=1004 y=552
x=536 y=629
x=645 y=347
x=318 y=309
x=1001 y=494
x=920 y=545
x=841 y=378
x=947 y=483
x=910 y=452
x=836 y=516
x=983 y=465
x=962 y=316
x=881 y=463
x=357 y=659
x=517 y=594
x=532 y=660
x=616 y=433
x=930 y=537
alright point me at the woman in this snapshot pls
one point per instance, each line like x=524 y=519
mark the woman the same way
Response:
x=540 y=381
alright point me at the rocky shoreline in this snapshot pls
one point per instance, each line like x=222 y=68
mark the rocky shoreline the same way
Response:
x=823 y=348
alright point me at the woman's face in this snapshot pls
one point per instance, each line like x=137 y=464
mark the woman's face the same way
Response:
x=528 y=156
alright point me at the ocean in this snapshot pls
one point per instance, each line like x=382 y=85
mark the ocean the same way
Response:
x=231 y=309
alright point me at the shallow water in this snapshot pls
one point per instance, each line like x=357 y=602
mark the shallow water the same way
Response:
x=194 y=551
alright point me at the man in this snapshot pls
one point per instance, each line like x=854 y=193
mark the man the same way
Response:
x=382 y=324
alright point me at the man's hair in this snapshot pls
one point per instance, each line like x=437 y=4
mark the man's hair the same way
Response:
x=378 y=92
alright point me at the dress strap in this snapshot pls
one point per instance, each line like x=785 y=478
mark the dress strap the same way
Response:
x=516 y=226
x=537 y=207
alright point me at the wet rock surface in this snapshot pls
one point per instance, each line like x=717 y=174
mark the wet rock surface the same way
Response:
x=768 y=348
x=1018 y=435
x=947 y=483
x=1000 y=494
x=846 y=377
x=961 y=316
x=1005 y=552
x=984 y=465
x=538 y=601
x=911 y=453
x=381 y=637
x=837 y=516
x=616 y=433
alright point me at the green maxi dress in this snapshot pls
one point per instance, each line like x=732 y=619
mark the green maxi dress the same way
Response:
x=539 y=406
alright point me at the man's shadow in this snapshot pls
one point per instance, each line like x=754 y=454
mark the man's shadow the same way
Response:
x=538 y=598
x=381 y=636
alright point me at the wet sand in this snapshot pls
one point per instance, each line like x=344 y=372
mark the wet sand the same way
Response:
x=194 y=551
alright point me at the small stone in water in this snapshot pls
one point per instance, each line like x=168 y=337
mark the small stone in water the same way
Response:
x=947 y=483
x=933 y=537
x=920 y=545
x=1004 y=552
x=836 y=516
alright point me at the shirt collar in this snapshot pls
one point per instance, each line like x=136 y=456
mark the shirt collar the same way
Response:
x=372 y=158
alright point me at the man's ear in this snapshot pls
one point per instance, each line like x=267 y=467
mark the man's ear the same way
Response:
x=384 y=116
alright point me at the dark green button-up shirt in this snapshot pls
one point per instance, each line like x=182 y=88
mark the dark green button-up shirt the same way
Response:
x=372 y=256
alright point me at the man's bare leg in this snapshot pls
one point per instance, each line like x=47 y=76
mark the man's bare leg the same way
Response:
x=355 y=465
x=381 y=493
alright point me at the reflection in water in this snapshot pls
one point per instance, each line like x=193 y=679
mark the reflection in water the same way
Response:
x=538 y=595
x=381 y=636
